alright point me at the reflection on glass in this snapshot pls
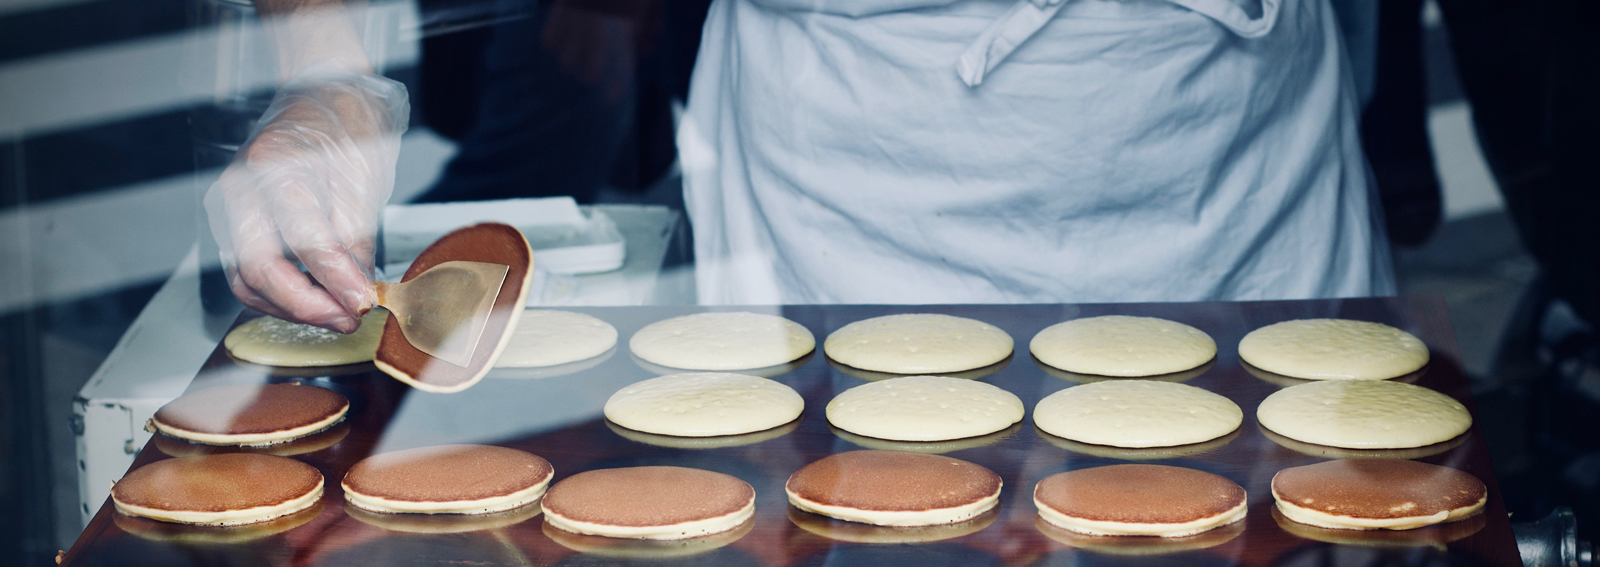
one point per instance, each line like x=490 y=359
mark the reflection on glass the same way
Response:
x=1435 y=536
x=1286 y=381
x=308 y=444
x=445 y=523
x=764 y=372
x=933 y=447
x=646 y=548
x=539 y=372
x=1139 y=545
x=168 y=532
x=716 y=442
x=1144 y=454
x=1327 y=452
x=1183 y=376
x=856 y=532
x=874 y=376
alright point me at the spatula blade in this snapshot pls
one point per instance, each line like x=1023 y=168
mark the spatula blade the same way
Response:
x=443 y=311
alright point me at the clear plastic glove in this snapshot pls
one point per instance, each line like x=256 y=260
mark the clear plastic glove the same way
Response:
x=309 y=185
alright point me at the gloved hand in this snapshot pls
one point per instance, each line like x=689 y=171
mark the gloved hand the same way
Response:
x=311 y=180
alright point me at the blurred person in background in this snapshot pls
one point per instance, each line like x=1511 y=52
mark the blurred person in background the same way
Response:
x=894 y=151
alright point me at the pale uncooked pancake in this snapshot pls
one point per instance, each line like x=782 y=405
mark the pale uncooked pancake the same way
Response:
x=1363 y=415
x=1373 y=494
x=250 y=414
x=447 y=479
x=1139 y=500
x=857 y=532
x=918 y=343
x=722 y=341
x=275 y=342
x=443 y=523
x=893 y=488
x=218 y=490
x=1118 y=345
x=645 y=549
x=662 y=503
x=1137 y=413
x=924 y=408
x=1137 y=546
x=1334 y=349
x=189 y=534
x=548 y=338
x=704 y=404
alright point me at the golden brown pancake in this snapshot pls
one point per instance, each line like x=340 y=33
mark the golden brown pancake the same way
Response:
x=894 y=488
x=250 y=414
x=660 y=503
x=447 y=479
x=1369 y=494
x=230 y=489
x=1139 y=500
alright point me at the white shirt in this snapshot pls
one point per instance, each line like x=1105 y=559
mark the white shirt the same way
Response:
x=980 y=151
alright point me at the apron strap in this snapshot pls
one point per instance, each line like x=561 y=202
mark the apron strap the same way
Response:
x=1015 y=26
x=1027 y=17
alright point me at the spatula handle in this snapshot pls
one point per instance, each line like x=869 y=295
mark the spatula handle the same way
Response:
x=380 y=290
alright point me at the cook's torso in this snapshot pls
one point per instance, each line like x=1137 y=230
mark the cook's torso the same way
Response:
x=1131 y=150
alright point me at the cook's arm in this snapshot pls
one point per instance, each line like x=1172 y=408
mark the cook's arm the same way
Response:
x=314 y=176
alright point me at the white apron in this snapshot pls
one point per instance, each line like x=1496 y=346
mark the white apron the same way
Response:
x=985 y=151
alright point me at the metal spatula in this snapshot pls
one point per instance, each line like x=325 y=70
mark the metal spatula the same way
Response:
x=443 y=310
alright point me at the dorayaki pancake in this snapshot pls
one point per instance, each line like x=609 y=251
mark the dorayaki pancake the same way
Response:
x=444 y=523
x=930 y=447
x=1138 y=545
x=153 y=530
x=717 y=442
x=1333 y=349
x=1436 y=536
x=1139 y=500
x=856 y=532
x=601 y=546
x=1371 y=494
x=1119 y=345
x=309 y=444
x=1363 y=414
x=250 y=414
x=918 y=343
x=1146 y=454
x=218 y=490
x=894 y=488
x=447 y=479
x=660 y=503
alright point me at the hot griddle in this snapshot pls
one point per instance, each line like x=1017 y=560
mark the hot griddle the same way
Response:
x=559 y=418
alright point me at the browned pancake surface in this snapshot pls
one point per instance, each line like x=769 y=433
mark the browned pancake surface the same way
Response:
x=252 y=408
x=647 y=496
x=217 y=483
x=492 y=243
x=447 y=473
x=1139 y=494
x=893 y=481
x=1377 y=488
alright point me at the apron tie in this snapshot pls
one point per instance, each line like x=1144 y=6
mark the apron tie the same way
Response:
x=1019 y=23
x=1027 y=17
